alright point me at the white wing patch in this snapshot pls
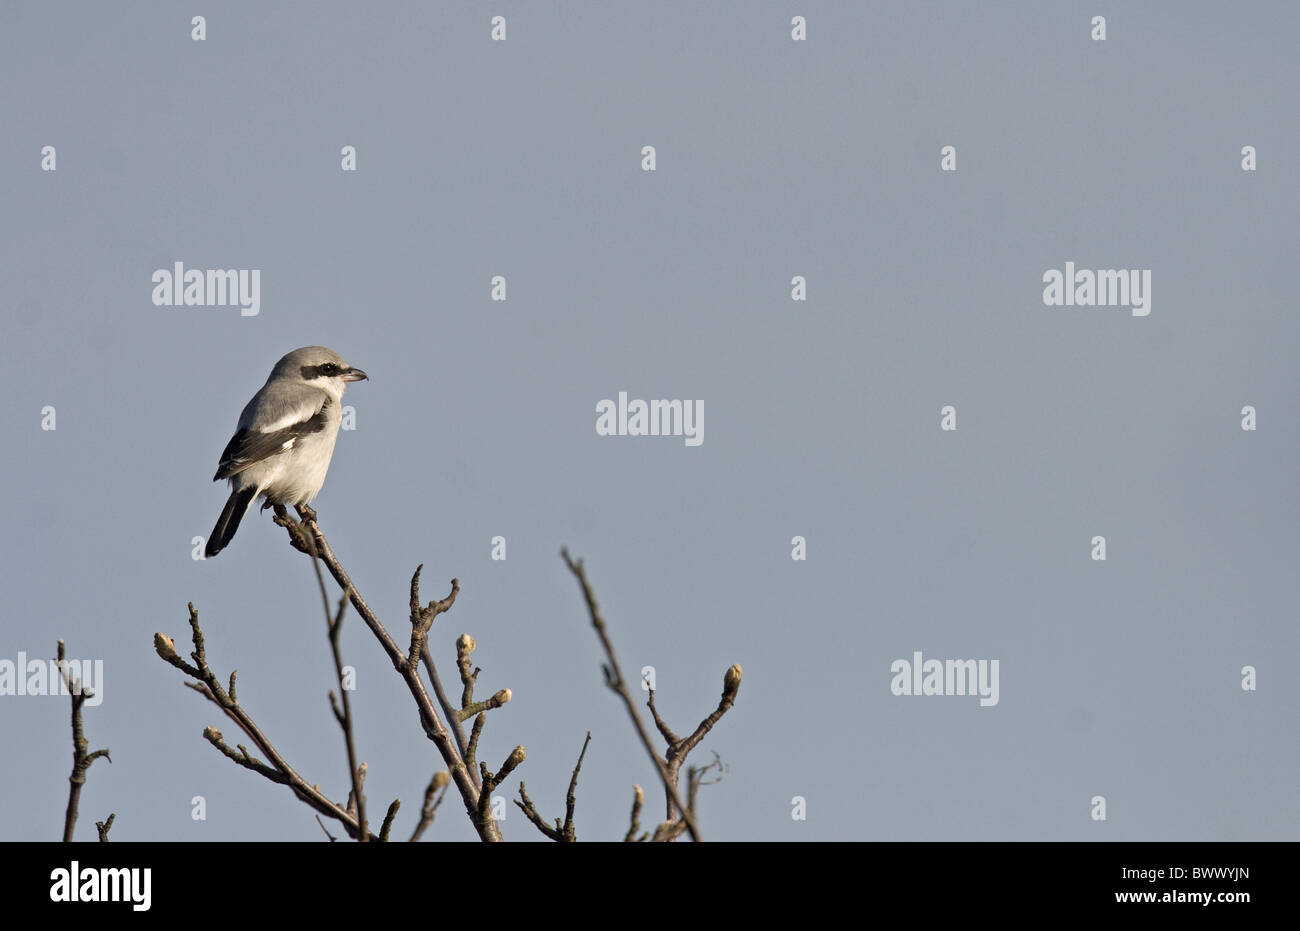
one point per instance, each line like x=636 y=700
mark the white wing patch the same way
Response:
x=293 y=418
x=249 y=445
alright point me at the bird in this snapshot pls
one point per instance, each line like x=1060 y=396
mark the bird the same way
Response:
x=283 y=443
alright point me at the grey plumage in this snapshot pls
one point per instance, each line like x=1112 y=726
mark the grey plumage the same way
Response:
x=283 y=443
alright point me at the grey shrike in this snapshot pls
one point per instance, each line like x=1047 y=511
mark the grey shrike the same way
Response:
x=285 y=438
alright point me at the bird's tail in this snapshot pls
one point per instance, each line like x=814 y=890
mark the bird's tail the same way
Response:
x=236 y=506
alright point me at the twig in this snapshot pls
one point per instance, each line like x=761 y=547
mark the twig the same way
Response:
x=492 y=780
x=458 y=727
x=432 y=799
x=359 y=788
x=695 y=778
x=345 y=716
x=664 y=729
x=571 y=797
x=81 y=760
x=279 y=771
x=670 y=830
x=471 y=752
x=614 y=679
x=469 y=708
x=561 y=832
x=103 y=827
x=638 y=799
x=680 y=747
x=430 y=721
x=464 y=647
x=478 y=707
x=388 y=819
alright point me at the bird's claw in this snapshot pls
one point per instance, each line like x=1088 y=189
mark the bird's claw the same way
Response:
x=297 y=533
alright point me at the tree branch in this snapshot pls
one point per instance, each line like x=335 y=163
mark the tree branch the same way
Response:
x=448 y=709
x=432 y=799
x=407 y=664
x=664 y=729
x=563 y=833
x=388 y=819
x=278 y=771
x=492 y=780
x=638 y=799
x=81 y=760
x=679 y=748
x=615 y=680
x=344 y=717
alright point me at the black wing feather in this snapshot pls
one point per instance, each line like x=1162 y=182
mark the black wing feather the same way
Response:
x=249 y=447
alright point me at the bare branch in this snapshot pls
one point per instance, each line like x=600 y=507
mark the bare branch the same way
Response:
x=464 y=647
x=492 y=780
x=388 y=819
x=671 y=830
x=730 y=686
x=457 y=727
x=668 y=831
x=422 y=618
x=103 y=827
x=359 y=787
x=678 y=749
x=471 y=758
x=433 y=796
x=299 y=532
x=695 y=778
x=448 y=709
x=638 y=799
x=496 y=701
x=530 y=810
x=405 y=663
x=561 y=832
x=278 y=770
x=81 y=760
x=344 y=715
x=659 y=722
x=614 y=678
x=571 y=797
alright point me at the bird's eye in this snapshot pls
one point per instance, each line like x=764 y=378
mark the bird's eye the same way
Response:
x=329 y=368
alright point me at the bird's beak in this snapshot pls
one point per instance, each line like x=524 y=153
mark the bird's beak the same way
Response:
x=354 y=374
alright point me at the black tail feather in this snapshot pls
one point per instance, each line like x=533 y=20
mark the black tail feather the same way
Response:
x=236 y=505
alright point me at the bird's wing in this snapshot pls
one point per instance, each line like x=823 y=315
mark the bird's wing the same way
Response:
x=271 y=423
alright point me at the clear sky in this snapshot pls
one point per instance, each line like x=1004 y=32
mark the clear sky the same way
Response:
x=774 y=159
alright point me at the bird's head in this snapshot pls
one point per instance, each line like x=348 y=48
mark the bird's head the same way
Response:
x=318 y=366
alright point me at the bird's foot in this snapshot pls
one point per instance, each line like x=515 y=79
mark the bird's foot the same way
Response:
x=298 y=534
x=306 y=513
